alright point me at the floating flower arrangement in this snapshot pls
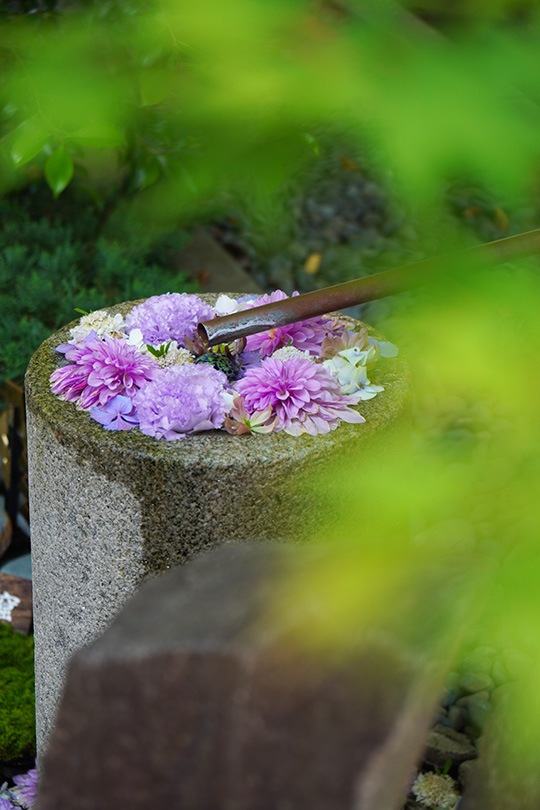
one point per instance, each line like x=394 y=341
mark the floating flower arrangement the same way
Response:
x=150 y=371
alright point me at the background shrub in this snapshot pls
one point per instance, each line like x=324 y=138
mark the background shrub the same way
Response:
x=50 y=266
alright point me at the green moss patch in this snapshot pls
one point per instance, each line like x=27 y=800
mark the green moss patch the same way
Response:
x=17 y=701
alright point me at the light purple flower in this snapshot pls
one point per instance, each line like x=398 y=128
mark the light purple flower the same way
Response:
x=168 y=317
x=304 y=396
x=66 y=347
x=305 y=335
x=101 y=370
x=182 y=399
x=118 y=414
x=25 y=791
x=5 y=804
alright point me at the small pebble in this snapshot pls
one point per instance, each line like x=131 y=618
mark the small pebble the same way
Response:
x=499 y=673
x=476 y=682
x=480 y=713
x=449 y=697
x=470 y=700
x=456 y=715
x=452 y=679
x=499 y=694
x=476 y=663
x=466 y=772
x=446 y=744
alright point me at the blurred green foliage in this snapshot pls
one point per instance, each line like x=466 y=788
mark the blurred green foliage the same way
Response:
x=197 y=102
x=462 y=573
x=173 y=109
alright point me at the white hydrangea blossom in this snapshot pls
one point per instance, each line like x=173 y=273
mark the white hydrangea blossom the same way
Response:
x=228 y=398
x=176 y=356
x=286 y=352
x=225 y=305
x=7 y=603
x=386 y=348
x=436 y=791
x=101 y=322
x=349 y=366
x=135 y=338
x=357 y=356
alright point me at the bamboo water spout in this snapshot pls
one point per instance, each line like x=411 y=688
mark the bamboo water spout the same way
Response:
x=361 y=290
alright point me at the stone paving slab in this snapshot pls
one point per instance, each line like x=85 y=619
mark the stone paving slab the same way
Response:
x=193 y=700
x=215 y=269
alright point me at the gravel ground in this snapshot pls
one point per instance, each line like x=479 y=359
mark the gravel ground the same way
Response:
x=451 y=754
x=346 y=220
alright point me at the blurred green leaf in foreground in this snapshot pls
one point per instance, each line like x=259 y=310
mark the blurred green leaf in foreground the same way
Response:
x=203 y=101
x=198 y=101
x=466 y=572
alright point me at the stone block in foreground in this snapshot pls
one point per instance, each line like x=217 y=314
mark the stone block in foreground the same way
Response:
x=111 y=508
x=189 y=702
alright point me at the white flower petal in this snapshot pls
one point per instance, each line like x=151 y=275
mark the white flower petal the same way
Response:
x=225 y=305
x=387 y=349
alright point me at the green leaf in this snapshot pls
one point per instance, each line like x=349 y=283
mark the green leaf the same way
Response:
x=59 y=170
x=155 y=85
x=147 y=171
x=98 y=135
x=313 y=143
x=82 y=311
x=161 y=351
x=30 y=138
x=95 y=195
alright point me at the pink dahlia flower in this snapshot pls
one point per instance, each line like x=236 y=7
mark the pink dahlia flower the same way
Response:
x=304 y=396
x=305 y=335
x=166 y=317
x=182 y=399
x=101 y=370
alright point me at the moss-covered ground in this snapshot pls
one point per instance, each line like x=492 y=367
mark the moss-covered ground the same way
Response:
x=17 y=711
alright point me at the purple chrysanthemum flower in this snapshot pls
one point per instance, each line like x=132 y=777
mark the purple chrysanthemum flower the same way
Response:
x=5 y=804
x=168 y=317
x=304 y=396
x=118 y=414
x=182 y=399
x=69 y=382
x=101 y=370
x=305 y=335
x=25 y=791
